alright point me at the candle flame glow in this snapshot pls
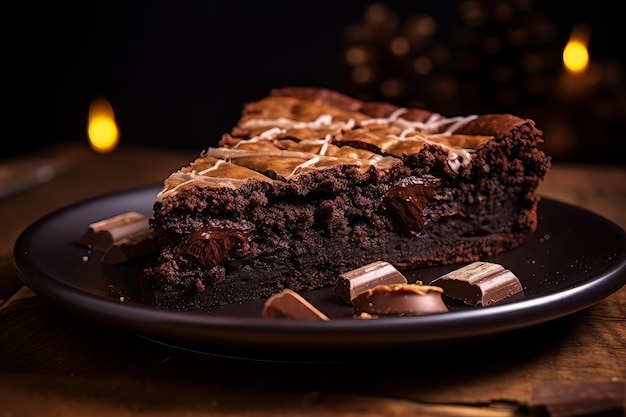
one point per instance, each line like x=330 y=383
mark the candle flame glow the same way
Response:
x=102 y=128
x=575 y=53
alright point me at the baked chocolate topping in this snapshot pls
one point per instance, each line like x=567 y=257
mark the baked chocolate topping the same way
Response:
x=292 y=134
x=400 y=300
x=211 y=246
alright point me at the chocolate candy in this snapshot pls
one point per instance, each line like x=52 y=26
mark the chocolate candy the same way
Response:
x=131 y=247
x=104 y=233
x=400 y=300
x=210 y=246
x=407 y=201
x=288 y=304
x=122 y=237
x=352 y=283
x=479 y=283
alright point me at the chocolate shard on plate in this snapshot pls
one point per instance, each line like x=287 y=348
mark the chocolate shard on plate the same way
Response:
x=352 y=283
x=479 y=283
x=576 y=399
x=102 y=234
x=288 y=304
x=400 y=300
x=133 y=246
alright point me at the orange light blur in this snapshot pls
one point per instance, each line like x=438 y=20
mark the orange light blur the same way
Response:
x=575 y=53
x=102 y=128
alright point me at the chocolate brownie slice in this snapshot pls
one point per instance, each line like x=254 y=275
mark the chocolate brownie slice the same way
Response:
x=312 y=183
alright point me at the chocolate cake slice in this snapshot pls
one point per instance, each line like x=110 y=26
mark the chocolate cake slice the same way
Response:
x=311 y=183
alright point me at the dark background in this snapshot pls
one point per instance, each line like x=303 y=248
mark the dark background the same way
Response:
x=177 y=73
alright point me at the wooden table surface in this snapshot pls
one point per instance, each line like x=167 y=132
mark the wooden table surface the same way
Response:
x=55 y=363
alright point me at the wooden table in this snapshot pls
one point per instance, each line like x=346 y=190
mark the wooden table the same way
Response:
x=54 y=363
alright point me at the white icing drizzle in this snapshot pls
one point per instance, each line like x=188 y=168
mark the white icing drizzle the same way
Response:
x=314 y=160
x=457 y=156
x=309 y=158
x=435 y=126
x=191 y=178
x=214 y=167
x=325 y=142
x=231 y=154
x=426 y=131
x=458 y=122
x=199 y=177
x=271 y=133
x=282 y=124
x=385 y=120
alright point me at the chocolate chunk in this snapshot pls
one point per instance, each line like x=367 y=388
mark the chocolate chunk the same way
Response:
x=288 y=304
x=131 y=247
x=400 y=300
x=479 y=283
x=578 y=399
x=352 y=283
x=102 y=234
x=407 y=201
x=211 y=246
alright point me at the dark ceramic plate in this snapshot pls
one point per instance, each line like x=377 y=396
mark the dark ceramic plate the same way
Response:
x=575 y=259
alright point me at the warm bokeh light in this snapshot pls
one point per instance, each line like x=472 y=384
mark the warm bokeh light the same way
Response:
x=575 y=54
x=102 y=128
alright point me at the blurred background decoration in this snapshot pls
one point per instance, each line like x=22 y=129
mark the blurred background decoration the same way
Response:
x=102 y=130
x=176 y=74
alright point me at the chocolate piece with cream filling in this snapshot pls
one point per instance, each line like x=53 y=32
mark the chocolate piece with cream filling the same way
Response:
x=400 y=300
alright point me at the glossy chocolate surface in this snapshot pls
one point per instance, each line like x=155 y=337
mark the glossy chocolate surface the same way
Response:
x=288 y=304
x=480 y=283
x=103 y=233
x=400 y=300
x=352 y=283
